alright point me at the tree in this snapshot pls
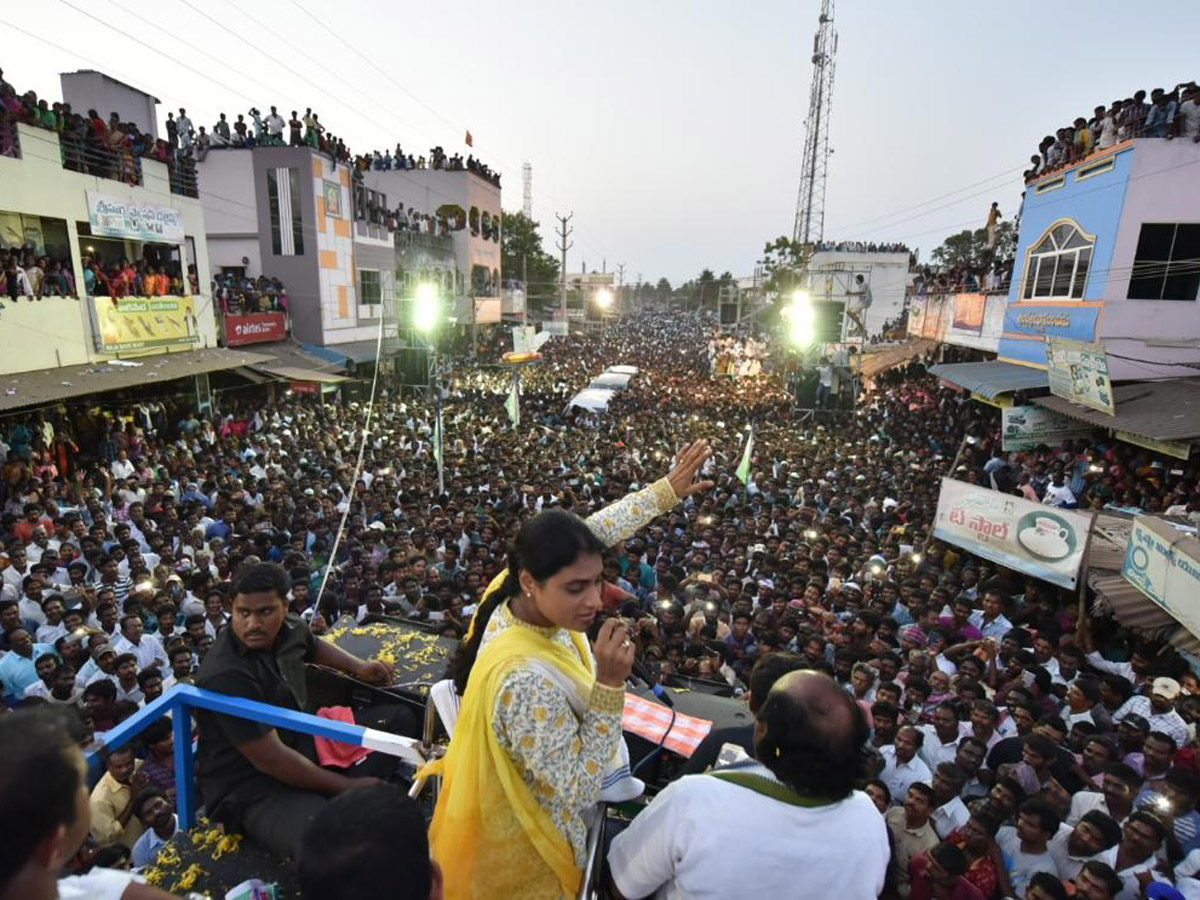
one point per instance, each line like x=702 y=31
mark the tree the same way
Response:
x=522 y=255
x=783 y=262
x=662 y=292
x=969 y=248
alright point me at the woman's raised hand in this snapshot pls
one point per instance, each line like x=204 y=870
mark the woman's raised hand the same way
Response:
x=687 y=465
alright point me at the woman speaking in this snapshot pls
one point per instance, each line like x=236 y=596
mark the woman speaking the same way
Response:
x=540 y=720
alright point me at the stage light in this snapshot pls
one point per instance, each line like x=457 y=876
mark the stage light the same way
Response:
x=801 y=319
x=425 y=308
x=604 y=298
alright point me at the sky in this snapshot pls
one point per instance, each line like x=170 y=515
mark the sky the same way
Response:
x=672 y=130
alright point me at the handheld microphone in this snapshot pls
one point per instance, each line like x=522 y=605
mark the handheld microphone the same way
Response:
x=640 y=670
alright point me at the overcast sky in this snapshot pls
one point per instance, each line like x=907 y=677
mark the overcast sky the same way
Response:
x=672 y=129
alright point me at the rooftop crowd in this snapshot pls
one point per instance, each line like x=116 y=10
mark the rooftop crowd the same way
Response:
x=1014 y=745
x=1168 y=114
x=242 y=294
x=90 y=143
x=859 y=247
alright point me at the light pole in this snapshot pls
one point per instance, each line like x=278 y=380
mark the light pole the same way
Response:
x=427 y=314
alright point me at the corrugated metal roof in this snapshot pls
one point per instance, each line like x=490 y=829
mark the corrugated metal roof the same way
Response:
x=1133 y=609
x=1163 y=410
x=52 y=385
x=991 y=379
x=876 y=360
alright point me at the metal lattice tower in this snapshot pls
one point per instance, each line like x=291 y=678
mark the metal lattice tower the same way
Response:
x=527 y=177
x=810 y=206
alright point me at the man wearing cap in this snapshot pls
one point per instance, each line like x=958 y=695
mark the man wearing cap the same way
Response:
x=103 y=665
x=1159 y=710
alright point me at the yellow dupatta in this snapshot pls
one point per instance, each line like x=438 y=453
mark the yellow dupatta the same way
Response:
x=489 y=833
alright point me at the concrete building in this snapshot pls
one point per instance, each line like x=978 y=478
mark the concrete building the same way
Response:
x=70 y=216
x=853 y=278
x=1106 y=255
x=470 y=204
x=288 y=213
x=89 y=89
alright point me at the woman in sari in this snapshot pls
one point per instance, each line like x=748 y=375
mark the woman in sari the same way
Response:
x=540 y=721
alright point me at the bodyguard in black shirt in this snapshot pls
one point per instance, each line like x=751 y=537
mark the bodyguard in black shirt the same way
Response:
x=253 y=777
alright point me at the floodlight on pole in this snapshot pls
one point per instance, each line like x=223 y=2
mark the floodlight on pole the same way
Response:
x=801 y=319
x=604 y=298
x=426 y=308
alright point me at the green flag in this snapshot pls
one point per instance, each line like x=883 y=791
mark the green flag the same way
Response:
x=513 y=405
x=743 y=469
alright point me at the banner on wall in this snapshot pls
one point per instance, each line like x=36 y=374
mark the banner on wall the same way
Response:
x=255 y=328
x=137 y=323
x=1164 y=564
x=1078 y=371
x=1038 y=540
x=916 y=316
x=133 y=220
x=968 y=313
x=1025 y=427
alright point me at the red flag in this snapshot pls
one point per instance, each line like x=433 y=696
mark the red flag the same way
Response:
x=470 y=140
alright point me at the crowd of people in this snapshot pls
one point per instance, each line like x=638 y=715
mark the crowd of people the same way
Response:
x=438 y=159
x=237 y=294
x=1015 y=743
x=736 y=355
x=24 y=273
x=989 y=276
x=1168 y=114
x=89 y=143
x=859 y=247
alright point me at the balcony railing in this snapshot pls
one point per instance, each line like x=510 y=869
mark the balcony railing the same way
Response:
x=179 y=702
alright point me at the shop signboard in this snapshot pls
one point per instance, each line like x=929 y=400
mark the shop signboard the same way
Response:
x=255 y=328
x=1164 y=564
x=1041 y=541
x=1025 y=427
x=133 y=220
x=1078 y=371
x=139 y=323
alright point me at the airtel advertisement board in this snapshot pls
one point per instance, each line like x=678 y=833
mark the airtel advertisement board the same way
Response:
x=256 y=328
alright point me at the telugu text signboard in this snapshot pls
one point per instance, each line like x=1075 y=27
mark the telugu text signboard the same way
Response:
x=138 y=323
x=133 y=220
x=1164 y=564
x=1078 y=371
x=1038 y=540
x=1026 y=427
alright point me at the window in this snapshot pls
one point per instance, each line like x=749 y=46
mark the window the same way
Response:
x=370 y=290
x=1165 y=265
x=1058 y=264
x=283 y=200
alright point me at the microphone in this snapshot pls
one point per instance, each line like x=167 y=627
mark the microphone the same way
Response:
x=640 y=670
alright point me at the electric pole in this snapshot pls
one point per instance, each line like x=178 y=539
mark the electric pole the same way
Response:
x=564 y=245
x=620 y=284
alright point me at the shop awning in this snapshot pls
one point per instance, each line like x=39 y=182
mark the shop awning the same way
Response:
x=1160 y=410
x=358 y=351
x=292 y=373
x=990 y=379
x=879 y=358
x=48 y=386
x=1133 y=609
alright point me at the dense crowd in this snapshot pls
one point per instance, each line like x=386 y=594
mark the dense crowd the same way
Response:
x=24 y=273
x=236 y=294
x=1168 y=114
x=988 y=276
x=89 y=143
x=859 y=247
x=1017 y=744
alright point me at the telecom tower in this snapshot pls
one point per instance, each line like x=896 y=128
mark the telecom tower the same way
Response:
x=810 y=207
x=527 y=178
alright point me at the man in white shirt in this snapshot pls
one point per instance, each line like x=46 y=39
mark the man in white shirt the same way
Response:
x=787 y=822
x=949 y=813
x=1095 y=836
x=121 y=467
x=941 y=738
x=1025 y=847
x=902 y=767
x=1058 y=493
x=145 y=647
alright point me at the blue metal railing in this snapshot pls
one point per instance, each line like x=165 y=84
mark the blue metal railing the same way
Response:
x=182 y=699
